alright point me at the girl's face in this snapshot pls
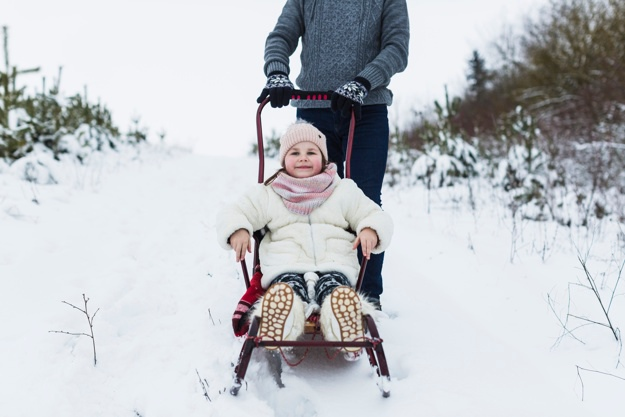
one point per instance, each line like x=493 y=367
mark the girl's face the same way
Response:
x=303 y=160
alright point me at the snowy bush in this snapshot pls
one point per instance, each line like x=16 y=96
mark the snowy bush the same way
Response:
x=87 y=139
x=399 y=166
x=444 y=162
x=37 y=167
x=525 y=176
x=521 y=168
x=62 y=125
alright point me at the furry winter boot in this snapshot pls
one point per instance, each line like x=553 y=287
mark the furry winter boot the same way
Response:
x=341 y=317
x=282 y=314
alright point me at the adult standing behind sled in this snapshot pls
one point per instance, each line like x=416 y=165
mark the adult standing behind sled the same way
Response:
x=314 y=220
x=351 y=47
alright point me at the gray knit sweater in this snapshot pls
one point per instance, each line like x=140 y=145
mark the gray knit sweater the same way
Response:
x=341 y=40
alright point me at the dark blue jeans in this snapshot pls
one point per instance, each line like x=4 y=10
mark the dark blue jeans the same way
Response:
x=367 y=167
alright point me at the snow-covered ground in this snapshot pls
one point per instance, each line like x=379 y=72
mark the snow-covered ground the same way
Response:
x=468 y=328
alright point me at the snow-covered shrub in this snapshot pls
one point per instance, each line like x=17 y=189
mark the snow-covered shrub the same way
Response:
x=38 y=167
x=524 y=174
x=591 y=181
x=87 y=139
x=70 y=144
x=6 y=137
x=48 y=118
x=11 y=136
x=38 y=129
x=446 y=154
x=17 y=118
x=445 y=161
x=399 y=166
x=521 y=167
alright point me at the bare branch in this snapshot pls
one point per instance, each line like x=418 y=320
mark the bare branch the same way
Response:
x=565 y=331
x=620 y=350
x=598 y=296
x=73 y=306
x=211 y=316
x=579 y=368
x=579 y=284
x=204 y=384
x=89 y=321
x=581 y=381
x=589 y=321
x=618 y=279
x=69 y=333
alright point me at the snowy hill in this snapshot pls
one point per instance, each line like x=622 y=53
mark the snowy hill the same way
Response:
x=468 y=330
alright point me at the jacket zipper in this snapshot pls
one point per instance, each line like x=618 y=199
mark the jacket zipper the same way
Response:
x=312 y=238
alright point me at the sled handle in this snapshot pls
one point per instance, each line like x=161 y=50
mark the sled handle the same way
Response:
x=306 y=96
x=246 y=275
x=311 y=95
x=361 y=273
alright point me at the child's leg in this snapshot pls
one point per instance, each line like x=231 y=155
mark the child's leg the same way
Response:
x=330 y=280
x=327 y=283
x=296 y=281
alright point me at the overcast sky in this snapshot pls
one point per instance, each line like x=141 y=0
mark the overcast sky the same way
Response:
x=193 y=68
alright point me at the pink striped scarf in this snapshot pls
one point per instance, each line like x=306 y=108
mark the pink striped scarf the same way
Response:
x=303 y=195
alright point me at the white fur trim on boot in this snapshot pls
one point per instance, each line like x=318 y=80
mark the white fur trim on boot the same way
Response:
x=368 y=308
x=341 y=317
x=282 y=314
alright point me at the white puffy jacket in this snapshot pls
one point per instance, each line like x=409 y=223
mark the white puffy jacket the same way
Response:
x=319 y=242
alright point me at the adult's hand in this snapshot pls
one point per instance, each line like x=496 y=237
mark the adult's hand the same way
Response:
x=279 y=89
x=349 y=95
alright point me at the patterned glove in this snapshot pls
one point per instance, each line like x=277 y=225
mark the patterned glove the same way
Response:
x=279 y=89
x=240 y=317
x=349 y=95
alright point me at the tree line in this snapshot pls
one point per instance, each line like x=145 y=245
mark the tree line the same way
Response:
x=46 y=120
x=546 y=110
x=542 y=117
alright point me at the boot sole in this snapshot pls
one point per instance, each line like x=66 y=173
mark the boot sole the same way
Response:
x=275 y=310
x=347 y=310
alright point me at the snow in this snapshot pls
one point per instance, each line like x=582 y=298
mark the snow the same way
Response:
x=468 y=329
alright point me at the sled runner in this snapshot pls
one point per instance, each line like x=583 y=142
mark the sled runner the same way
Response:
x=313 y=338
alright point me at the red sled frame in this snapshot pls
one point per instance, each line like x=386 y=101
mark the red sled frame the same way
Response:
x=372 y=343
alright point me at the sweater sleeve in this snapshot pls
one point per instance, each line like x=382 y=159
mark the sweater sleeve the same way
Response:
x=395 y=37
x=283 y=40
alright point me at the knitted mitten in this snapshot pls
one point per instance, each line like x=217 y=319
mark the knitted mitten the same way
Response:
x=279 y=89
x=350 y=95
x=240 y=317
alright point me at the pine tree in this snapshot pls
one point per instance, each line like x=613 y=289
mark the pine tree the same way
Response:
x=478 y=76
x=11 y=98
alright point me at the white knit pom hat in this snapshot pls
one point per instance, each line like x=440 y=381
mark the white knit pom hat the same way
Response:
x=302 y=131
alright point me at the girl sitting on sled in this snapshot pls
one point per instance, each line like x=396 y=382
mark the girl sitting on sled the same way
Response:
x=314 y=221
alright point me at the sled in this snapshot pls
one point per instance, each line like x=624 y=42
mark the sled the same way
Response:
x=313 y=338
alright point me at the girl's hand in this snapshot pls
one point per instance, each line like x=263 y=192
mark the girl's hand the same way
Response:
x=368 y=240
x=240 y=241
